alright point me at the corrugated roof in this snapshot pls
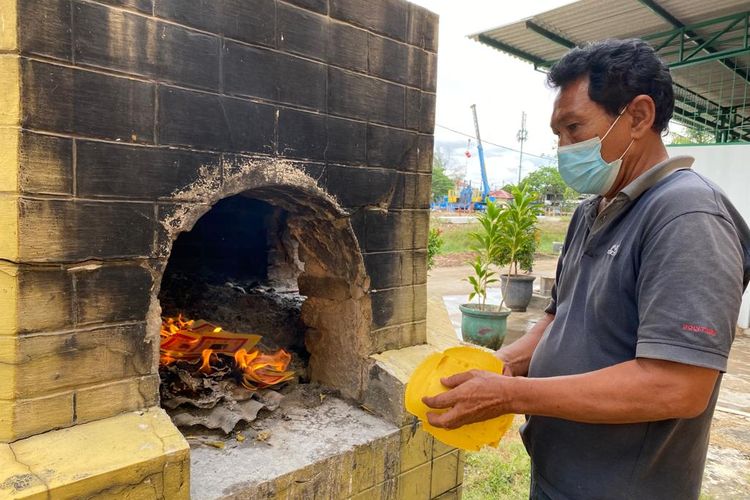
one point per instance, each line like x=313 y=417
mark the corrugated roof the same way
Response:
x=545 y=37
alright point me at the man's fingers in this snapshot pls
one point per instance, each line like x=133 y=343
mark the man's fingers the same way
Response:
x=449 y=398
x=444 y=400
x=457 y=379
x=445 y=420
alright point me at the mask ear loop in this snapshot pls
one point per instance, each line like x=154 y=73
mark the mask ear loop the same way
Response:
x=631 y=141
x=627 y=149
x=614 y=123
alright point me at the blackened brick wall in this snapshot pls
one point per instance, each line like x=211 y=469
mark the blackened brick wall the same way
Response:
x=127 y=102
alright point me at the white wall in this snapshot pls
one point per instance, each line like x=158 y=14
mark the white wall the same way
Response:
x=729 y=167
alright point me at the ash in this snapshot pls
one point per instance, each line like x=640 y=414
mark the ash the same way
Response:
x=251 y=419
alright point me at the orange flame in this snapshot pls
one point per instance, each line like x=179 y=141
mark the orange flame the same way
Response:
x=257 y=370
x=206 y=365
x=262 y=370
x=169 y=327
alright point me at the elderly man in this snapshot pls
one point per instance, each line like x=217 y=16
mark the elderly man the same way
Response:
x=620 y=378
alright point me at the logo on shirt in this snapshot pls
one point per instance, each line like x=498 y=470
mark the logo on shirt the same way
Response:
x=699 y=329
x=613 y=249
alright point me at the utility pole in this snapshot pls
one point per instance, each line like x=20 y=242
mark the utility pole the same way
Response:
x=522 y=135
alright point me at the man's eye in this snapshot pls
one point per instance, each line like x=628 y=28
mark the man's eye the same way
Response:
x=572 y=127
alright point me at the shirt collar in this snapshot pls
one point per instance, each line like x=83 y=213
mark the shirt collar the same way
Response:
x=654 y=174
x=640 y=184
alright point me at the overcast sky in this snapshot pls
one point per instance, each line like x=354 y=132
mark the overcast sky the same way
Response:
x=501 y=86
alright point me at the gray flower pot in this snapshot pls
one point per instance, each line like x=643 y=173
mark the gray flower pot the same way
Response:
x=518 y=291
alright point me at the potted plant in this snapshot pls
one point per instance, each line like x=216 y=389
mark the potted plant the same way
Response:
x=481 y=323
x=516 y=246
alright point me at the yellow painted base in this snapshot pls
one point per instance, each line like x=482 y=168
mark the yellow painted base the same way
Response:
x=8 y=22
x=133 y=455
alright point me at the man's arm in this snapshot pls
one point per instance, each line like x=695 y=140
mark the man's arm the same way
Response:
x=517 y=356
x=641 y=390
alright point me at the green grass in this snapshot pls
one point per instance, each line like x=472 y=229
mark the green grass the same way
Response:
x=457 y=240
x=456 y=237
x=498 y=473
x=503 y=472
x=551 y=231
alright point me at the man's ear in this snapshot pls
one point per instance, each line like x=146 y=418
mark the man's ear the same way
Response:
x=643 y=112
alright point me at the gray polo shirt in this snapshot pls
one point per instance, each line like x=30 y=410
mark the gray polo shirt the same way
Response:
x=659 y=273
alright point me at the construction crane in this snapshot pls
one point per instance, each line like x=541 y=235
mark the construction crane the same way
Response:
x=485 y=182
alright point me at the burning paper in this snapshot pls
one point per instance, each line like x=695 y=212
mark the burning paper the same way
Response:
x=187 y=339
x=214 y=373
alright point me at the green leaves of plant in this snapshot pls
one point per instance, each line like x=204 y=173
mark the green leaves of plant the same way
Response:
x=434 y=244
x=507 y=237
x=519 y=218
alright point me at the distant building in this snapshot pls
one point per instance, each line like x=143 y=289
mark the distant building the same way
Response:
x=500 y=196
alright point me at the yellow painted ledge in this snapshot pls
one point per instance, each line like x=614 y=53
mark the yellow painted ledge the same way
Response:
x=401 y=363
x=440 y=331
x=9 y=158
x=9 y=225
x=8 y=21
x=8 y=310
x=10 y=87
x=133 y=455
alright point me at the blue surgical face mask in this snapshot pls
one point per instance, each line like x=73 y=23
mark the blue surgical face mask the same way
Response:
x=582 y=167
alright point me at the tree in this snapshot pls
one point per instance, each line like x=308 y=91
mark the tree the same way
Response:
x=441 y=183
x=444 y=173
x=693 y=136
x=508 y=187
x=547 y=182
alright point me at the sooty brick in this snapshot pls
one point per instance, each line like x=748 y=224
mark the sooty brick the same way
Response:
x=121 y=171
x=63 y=99
x=45 y=28
x=215 y=122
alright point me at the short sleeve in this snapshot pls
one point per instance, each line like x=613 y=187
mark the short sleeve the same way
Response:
x=689 y=291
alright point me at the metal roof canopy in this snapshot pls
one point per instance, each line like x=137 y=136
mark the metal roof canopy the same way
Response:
x=705 y=44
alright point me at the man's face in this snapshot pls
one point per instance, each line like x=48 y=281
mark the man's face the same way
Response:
x=576 y=118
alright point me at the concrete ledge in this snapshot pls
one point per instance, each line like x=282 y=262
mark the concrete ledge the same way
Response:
x=386 y=378
x=333 y=450
x=440 y=331
x=133 y=455
x=539 y=302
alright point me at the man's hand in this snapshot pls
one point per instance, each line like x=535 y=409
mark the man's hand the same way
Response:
x=640 y=390
x=475 y=395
